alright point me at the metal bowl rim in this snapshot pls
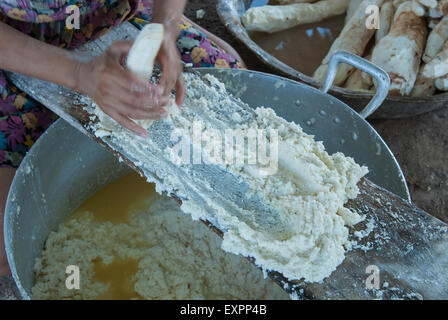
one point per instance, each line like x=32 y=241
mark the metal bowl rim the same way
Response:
x=239 y=32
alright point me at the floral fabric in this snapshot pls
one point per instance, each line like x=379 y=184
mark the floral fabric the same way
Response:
x=23 y=120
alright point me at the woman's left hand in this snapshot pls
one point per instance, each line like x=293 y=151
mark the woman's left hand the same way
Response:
x=169 y=13
x=170 y=62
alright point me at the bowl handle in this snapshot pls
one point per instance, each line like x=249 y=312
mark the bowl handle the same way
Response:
x=381 y=78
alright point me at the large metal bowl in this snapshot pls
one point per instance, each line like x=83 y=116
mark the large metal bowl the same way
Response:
x=230 y=12
x=62 y=170
x=65 y=167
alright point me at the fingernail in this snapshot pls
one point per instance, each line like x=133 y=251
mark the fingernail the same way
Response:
x=143 y=134
x=136 y=87
x=159 y=90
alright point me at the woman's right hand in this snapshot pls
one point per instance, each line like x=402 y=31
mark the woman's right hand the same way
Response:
x=119 y=93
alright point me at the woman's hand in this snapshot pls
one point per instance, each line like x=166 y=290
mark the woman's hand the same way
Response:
x=170 y=62
x=119 y=93
x=169 y=13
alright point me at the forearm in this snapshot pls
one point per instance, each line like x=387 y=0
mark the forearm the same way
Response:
x=23 y=54
x=169 y=13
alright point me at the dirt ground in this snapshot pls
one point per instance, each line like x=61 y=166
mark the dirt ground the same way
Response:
x=419 y=143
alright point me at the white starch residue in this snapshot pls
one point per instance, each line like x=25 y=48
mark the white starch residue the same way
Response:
x=303 y=231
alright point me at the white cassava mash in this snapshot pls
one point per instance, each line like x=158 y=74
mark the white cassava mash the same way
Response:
x=176 y=258
x=309 y=189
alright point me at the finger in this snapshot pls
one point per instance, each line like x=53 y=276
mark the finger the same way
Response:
x=120 y=49
x=160 y=99
x=138 y=100
x=129 y=110
x=172 y=68
x=153 y=115
x=180 y=91
x=167 y=82
x=142 y=95
x=125 y=122
x=129 y=124
x=129 y=82
x=134 y=113
x=155 y=93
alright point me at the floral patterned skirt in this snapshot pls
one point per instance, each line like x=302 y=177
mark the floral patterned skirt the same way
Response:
x=23 y=120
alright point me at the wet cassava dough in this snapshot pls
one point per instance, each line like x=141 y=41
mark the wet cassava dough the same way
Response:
x=173 y=257
x=303 y=233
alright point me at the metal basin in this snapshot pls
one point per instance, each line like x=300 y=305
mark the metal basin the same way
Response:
x=65 y=167
x=230 y=12
x=62 y=170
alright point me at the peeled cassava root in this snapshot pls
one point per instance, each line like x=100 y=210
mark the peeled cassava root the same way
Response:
x=354 y=38
x=141 y=57
x=401 y=45
x=276 y=18
x=417 y=63
x=399 y=53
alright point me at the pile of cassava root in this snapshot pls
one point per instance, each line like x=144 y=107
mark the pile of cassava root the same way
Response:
x=410 y=43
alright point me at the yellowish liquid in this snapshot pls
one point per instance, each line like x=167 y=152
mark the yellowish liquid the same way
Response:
x=115 y=202
x=118 y=275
